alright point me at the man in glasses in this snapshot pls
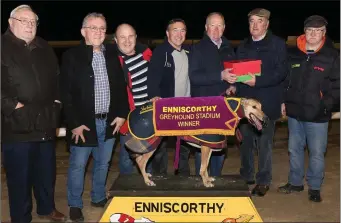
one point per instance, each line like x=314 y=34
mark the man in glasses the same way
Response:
x=30 y=108
x=95 y=106
x=312 y=89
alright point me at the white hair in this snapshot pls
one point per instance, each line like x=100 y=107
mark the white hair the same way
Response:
x=92 y=15
x=22 y=7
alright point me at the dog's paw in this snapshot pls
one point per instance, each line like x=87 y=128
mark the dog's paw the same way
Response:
x=150 y=183
x=210 y=179
x=208 y=184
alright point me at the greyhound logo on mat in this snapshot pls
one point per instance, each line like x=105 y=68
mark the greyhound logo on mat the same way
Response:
x=124 y=218
x=241 y=218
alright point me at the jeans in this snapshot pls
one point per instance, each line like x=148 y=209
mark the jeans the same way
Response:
x=78 y=159
x=215 y=164
x=125 y=163
x=30 y=165
x=316 y=136
x=264 y=142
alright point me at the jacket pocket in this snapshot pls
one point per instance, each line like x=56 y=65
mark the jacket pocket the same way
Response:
x=20 y=120
x=48 y=117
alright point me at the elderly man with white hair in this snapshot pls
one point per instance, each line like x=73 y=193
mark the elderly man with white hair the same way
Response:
x=30 y=110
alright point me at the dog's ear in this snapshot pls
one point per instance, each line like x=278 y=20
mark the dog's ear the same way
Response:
x=244 y=101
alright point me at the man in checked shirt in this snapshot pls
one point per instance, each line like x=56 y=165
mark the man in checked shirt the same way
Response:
x=95 y=106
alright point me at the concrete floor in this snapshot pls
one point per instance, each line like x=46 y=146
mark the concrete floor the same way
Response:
x=274 y=207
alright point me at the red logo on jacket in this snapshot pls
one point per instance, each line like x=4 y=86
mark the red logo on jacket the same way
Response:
x=318 y=68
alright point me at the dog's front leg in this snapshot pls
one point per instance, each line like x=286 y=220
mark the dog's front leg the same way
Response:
x=205 y=158
x=142 y=163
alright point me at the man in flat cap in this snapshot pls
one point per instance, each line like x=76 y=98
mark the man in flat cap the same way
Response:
x=312 y=89
x=267 y=88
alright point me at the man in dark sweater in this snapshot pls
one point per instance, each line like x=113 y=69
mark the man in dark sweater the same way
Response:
x=271 y=50
x=205 y=73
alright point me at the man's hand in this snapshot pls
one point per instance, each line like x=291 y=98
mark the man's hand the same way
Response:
x=119 y=122
x=78 y=132
x=251 y=82
x=229 y=77
x=283 y=110
x=19 y=105
x=231 y=90
x=154 y=99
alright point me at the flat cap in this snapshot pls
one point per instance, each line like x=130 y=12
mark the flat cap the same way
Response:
x=315 y=21
x=260 y=12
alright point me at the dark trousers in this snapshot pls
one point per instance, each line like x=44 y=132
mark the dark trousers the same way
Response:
x=251 y=140
x=184 y=169
x=160 y=159
x=27 y=165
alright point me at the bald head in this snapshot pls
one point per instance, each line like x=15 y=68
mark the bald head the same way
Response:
x=125 y=37
x=124 y=28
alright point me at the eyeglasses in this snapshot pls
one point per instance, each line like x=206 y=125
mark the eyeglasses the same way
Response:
x=96 y=29
x=317 y=31
x=25 y=22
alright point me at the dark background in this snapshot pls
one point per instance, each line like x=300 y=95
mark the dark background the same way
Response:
x=61 y=20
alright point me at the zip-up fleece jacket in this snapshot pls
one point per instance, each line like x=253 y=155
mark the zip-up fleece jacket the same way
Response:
x=161 y=79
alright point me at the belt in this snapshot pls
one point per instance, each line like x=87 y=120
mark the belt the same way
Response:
x=101 y=115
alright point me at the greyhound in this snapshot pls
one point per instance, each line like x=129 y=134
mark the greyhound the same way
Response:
x=249 y=108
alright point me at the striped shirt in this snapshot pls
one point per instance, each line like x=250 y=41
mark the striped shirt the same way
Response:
x=102 y=90
x=137 y=67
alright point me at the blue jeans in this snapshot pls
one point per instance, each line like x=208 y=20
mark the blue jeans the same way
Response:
x=215 y=165
x=264 y=142
x=316 y=136
x=78 y=159
x=125 y=163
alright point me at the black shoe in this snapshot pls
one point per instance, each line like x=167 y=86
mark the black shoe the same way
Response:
x=250 y=182
x=288 y=188
x=260 y=190
x=314 y=195
x=100 y=204
x=76 y=214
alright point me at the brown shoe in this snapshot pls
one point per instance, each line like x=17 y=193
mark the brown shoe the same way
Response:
x=54 y=216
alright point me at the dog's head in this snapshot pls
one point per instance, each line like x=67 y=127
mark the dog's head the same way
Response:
x=253 y=112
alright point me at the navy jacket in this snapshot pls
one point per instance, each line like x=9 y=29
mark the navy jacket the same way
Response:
x=206 y=65
x=161 y=80
x=272 y=51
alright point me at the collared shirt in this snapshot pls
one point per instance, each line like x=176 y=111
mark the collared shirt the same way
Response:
x=102 y=89
x=262 y=37
x=217 y=43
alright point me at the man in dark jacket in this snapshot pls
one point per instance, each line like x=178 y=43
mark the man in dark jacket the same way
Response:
x=267 y=88
x=134 y=58
x=312 y=89
x=30 y=108
x=96 y=106
x=168 y=77
x=205 y=72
